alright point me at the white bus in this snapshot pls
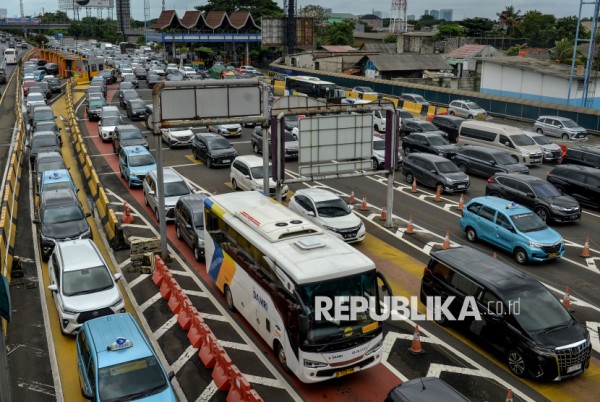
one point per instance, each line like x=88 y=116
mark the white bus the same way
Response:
x=271 y=264
x=10 y=56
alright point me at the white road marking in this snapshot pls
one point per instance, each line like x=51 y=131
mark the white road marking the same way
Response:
x=125 y=263
x=139 y=279
x=594 y=328
x=208 y=393
x=235 y=345
x=269 y=382
x=183 y=359
x=165 y=327
x=142 y=307
x=37 y=387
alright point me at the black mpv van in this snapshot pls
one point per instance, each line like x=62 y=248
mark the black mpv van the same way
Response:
x=520 y=318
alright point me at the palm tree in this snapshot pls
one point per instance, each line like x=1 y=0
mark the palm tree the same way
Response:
x=562 y=52
x=510 y=19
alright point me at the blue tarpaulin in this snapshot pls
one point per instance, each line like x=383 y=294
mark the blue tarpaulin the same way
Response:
x=5 y=310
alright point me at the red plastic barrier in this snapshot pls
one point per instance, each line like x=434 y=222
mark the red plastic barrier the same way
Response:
x=177 y=298
x=240 y=387
x=207 y=351
x=186 y=314
x=198 y=330
x=220 y=374
x=166 y=287
x=253 y=396
x=159 y=271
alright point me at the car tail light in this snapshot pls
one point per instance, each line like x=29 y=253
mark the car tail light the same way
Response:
x=491 y=179
x=427 y=271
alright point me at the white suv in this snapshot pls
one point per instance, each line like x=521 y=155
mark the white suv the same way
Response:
x=82 y=285
x=247 y=174
x=467 y=109
x=175 y=186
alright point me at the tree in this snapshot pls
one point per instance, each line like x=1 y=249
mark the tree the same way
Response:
x=477 y=26
x=567 y=28
x=391 y=38
x=340 y=33
x=562 y=52
x=40 y=39
x=258 y=8
x=538 y=28
x=449 y=29
x=510 y=18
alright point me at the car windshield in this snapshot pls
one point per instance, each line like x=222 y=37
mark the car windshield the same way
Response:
x=130 y=135
x=427 y=126
x=131 y=95
x=97 y=103
x=40 y=115
x=125 y=85
x=257 y=172
x=53 y=81
x=35 y=97
x=539 y=310
x=545 y=189
x=541 y=140
x=141 y=160
x=522 y=140
x=333 y=208
x=176 y=188
x=378 y=145
x=138 y=104
x=504 y=159
x=50 y=165
x=43 y=141
x=87 y=280
x=131 y=380
x=218 y=143
x=419 y=99
x=446 y=167
x=63 y=213
x=57 y=186
x=472 y=105
x=528 y=222
x=363 y=89
x=437 y=140
x=569 y=123
x=289 y=137
x=292 y=120
x=111 y=121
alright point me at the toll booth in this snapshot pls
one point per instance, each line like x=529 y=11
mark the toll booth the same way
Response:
x=73 y=64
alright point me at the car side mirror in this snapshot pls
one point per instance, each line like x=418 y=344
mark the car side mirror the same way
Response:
x=117 y=276
x=36 y=221
x=530 y=195
x=350 y=206
x=88 y=214
x=247 y=176
x=433 y=171
x=150 y=192
x=310 y=213
x=188 y=226
x=53 y=288
x=493 y=163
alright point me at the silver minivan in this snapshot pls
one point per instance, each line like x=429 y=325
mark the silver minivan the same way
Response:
x=557 y=126
x=175 y=186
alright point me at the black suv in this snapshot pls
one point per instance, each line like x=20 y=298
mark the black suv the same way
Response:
x=433 y=170
x=583 y=155
x=580 y=182
x=536 y=194
x=189 y=222
x=2 y=76
x=126 y=135
x=51 y=68
x=61 y=218
x=419 y=126
x=448 y=124
x=486 y=162
x=430 y=143
x=213 y=149
x=109 y=75
x=519 y=318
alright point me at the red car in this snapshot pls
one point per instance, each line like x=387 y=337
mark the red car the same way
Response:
x=26 y=85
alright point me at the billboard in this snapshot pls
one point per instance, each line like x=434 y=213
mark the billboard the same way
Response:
x=273 y=31
x=95 y=3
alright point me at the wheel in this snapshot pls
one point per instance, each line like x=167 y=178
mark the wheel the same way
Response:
x=229 y=298
x=565 y=136
x=375 y=164
x=255 y=148
x=462 y=167
x=471 y=234
x=208 y=163
x=121 y=171
x=114 y=149
x=281 y=356
x=197 y=254
x=409 y=178
x=451 y=113
x=520 y=256
x=170 y=143
x=234 y=185
x=156 y=214
x=542 y=213
x=406 y=151
x=129 y=183
x=128 y=114
x=516 y=363
x=443 y=321
x=376 y=127
x=177 y=232
x=195 y=154
x=540 y=131
x=470 y=116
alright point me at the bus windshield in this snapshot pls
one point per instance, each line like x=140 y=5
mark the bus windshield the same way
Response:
x=326 y=334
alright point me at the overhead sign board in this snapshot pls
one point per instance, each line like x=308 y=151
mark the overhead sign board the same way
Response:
x=206 y=99
x=95 y=3
x=273 y=31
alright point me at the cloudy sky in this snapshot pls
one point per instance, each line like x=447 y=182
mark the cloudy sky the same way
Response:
x=462 y=8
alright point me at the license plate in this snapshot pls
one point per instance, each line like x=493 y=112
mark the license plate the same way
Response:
x=572 y=368
x=536 y=159
x=552 y=255
x=574 y=217
x=344 y=372
x=461 y=186
x=226 y=160
x=370 y=327
x=233 y=132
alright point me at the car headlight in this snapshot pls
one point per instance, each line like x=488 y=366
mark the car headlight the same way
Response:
x=47 y=239
x=69 y=311
x=375 y=348
x=558 y=207
x=535 y=244
x=449 y=180
x=440 y=153
x=543 y=351
x=200 y=242
x=313 y=364
x=332 y=229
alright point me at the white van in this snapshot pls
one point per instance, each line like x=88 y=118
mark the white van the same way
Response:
x=511 y=139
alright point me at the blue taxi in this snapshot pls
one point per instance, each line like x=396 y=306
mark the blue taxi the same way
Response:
x=511 y=227
x=115 y=362
x=55 y=180
x=134 y=162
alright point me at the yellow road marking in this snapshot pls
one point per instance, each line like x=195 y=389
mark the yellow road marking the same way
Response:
x=193 y=160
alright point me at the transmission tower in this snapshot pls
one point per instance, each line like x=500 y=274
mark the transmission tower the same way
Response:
x=146 y=17
x=22 y=12
x=398 y=19
x=163 y=6
x=289 y=8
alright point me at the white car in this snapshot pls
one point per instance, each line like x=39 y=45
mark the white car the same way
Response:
x=106 y=127
x=177 y=136
x=248 y=69
x=175 y=186
x=330 y=212
x=187 y=71
x=82 y=285
x=466 y=109
x=247 y=174
x=35 y=99
x=378 y=157
x=227 y=130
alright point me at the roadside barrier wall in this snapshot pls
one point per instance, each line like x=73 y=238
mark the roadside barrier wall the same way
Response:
x=111 y=225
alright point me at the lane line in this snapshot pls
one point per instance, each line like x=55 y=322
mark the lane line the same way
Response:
x=165 y=327
x=208 y=393
x=139 y=279
x=144 y=306
x=184 y=358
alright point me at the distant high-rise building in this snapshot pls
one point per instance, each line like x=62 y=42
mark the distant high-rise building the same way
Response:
x=410 y=17
x=3 y=12
x=426 y=12
x=435 y=14
x=446 y=14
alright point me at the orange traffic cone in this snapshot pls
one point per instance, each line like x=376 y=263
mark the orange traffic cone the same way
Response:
x=415 y=347
x=383 y=215
x=414 y=186
x=509 y=396
x=438 y=193
x=461 y=202
x=126 y=217
x=410 y=229
x=352 y=200
x=586 y=248
x=446 y=243
x=363 y=205
x=566 y=301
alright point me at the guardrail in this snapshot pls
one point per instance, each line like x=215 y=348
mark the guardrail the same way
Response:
x=110 y=223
